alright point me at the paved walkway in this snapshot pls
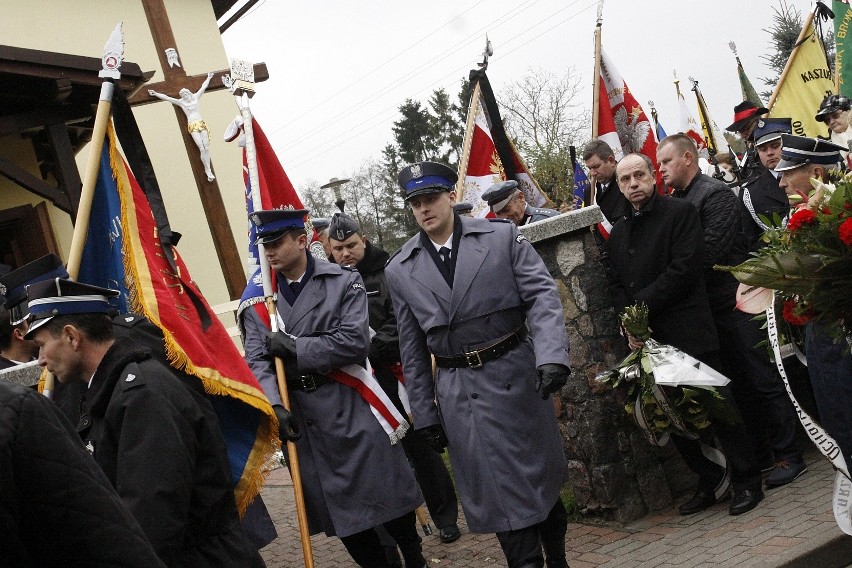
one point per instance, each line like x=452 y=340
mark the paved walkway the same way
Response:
x=792 y=527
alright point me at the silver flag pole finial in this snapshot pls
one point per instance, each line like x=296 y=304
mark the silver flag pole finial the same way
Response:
x=113 y=54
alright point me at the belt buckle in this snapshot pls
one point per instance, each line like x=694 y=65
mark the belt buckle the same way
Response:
x=474 y=361
x=308 y=383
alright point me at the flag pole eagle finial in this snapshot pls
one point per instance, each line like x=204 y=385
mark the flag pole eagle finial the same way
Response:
x=600 y=12
x=486 y=53
x=733 y=47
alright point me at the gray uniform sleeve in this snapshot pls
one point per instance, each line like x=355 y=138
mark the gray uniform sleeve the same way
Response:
x=258 y=359
x=541 y=300
x=416 y=360
x=349 y=342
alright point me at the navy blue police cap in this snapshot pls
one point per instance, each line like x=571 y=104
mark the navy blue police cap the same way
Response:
x=342 y=227
x=463 y=207
x=769 y=129
x=498 y=195
x=62 y=297
x=272 y=224
x=797 y=151
x=15 y=283
x=426 y=177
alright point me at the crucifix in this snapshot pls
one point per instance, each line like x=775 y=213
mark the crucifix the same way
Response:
x=176 y=80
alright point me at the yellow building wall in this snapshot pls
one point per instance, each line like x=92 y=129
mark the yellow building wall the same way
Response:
x=82 y=28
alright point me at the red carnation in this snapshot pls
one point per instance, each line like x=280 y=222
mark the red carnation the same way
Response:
x=800 y=218
x=845 y=232
x=794 y=314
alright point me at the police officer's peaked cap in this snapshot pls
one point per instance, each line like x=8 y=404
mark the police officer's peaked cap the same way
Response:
x=342 y=226
x=831 y=104
x=62 y=297
x=498 y=195
x=15 y=283
x=426 y=177
x=769 y=129
x=463 y=207
x=320 y=223
x=743 y=113
x=796 y=151
x=272 y=224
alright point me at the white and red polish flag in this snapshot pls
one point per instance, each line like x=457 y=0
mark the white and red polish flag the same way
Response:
x=488 y=155
x=622 y=123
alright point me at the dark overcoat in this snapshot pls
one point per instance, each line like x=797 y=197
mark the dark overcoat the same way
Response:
x=353 y=478
x=504 y=442
x=724 y=239
x=655 y=257
x=159 y=444
x=57 y=508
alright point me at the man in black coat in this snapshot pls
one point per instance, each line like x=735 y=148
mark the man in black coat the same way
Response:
x=601 y=163
x=157 y=441
x=57 y=509
x=758 y=389
x=350 y=247
x=762 y=197
x=655 y=258
x=256 y=521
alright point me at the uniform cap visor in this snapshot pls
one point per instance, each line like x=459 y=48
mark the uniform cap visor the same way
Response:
x=35 y=325
x=785 y=165
x=425 y=190
x=767 y=138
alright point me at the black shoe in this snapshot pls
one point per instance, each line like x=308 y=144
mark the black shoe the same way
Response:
x=700 y=501
x=449 y=534
x=392 y=557
x=785 y=472
x=745 y=500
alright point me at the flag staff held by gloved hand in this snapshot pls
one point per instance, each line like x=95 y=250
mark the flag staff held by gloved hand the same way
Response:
x=111 y=62
x=241 y=85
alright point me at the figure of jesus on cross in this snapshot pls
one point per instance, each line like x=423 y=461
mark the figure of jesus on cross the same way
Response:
x=189 y=102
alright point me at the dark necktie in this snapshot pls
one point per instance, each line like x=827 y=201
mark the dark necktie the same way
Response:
x=294 y=287
x=444 y=253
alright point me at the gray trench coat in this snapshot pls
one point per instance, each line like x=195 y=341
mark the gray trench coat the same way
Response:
x=353 y=478
x=504 y=441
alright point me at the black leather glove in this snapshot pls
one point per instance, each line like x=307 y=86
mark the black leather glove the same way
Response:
x=281 y=345
x=551 y=378
x=288 y=431
x=435 y=437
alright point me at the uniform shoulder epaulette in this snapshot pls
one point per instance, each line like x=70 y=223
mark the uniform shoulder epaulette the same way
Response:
x=349 y=268
x=499 y=220
x=131 y=377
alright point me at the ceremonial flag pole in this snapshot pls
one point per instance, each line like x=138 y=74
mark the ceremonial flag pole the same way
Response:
x=111 y=61
x=241 y=85
x=596 y=79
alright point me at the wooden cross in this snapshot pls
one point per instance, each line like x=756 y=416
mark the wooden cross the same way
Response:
x=175 y=79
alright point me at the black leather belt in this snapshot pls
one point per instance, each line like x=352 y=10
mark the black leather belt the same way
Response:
x=476 y=359
x=308 y=382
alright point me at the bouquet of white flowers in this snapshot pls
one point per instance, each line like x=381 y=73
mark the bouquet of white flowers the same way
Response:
x=668 y=391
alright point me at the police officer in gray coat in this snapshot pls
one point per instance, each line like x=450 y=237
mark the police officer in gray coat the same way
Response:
x=353 y=477
x=507 y=201
x=471 y=292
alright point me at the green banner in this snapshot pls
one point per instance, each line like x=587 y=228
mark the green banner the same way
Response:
x=843 y=43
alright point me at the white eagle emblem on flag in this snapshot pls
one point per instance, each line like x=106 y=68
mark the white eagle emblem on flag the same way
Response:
x=632 y=132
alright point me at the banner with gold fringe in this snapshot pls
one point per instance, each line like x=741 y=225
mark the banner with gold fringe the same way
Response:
x=157 y=284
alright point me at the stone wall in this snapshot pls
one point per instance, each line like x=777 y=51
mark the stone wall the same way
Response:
x=614 y=472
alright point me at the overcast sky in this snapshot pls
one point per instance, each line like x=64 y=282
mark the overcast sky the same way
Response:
x=340 y=69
